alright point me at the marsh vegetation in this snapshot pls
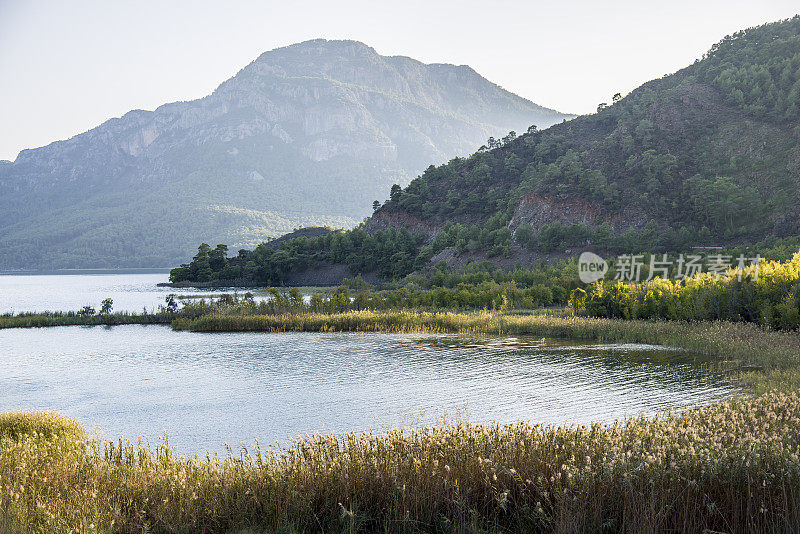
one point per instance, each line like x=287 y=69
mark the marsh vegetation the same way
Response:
x=730 y=467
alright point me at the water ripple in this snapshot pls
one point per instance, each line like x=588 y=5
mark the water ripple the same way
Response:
x=207 y=389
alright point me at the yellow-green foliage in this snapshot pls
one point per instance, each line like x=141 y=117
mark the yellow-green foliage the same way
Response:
x=729 y=467
x=772 y=298
x=17 y=426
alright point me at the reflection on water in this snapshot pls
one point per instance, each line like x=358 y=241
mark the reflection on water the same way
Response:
x=207 y=389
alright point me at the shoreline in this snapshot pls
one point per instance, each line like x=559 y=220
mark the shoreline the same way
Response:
x=52 y=320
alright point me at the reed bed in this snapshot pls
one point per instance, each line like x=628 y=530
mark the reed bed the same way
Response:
x=745 y=344
x=728 y=467
x=41 y=320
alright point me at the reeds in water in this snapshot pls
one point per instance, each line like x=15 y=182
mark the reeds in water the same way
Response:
x=742 y=343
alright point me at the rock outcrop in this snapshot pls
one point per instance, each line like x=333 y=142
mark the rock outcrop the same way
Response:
x=536 y=211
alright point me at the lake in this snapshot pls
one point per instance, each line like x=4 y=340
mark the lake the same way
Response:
x=209 y=389
x=131 y=291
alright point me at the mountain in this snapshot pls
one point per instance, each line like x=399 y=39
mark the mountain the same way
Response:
x=309 y=134
x=711 y=152
x=709 y=155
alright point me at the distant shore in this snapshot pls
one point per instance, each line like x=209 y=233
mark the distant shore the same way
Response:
x=213 y=284
x=126 y=270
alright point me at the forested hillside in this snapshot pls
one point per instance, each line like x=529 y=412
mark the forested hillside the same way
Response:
x=714 y=146
x=708 y=155
x=308 y=134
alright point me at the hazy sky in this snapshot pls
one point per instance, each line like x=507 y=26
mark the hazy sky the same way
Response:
x=68 y=66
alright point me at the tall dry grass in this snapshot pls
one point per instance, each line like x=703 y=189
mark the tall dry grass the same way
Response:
x=729 y=467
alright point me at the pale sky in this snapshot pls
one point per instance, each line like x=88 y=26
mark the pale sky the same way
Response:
x=68 y=66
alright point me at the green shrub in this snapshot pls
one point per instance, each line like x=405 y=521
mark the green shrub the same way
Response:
x=771 y=298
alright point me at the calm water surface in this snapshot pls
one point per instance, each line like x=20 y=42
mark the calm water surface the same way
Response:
x=208 y=389
x=131 y=291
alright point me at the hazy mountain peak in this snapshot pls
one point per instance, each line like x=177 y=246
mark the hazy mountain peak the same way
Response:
x=321 y=46
x=306 y=134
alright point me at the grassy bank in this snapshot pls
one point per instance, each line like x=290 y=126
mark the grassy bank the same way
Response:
x=37 y=320
x=729 y=467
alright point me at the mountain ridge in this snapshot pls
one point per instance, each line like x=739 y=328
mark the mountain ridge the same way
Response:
x=307 y=134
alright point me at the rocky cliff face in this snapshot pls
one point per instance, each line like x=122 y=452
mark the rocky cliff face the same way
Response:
x=306 y=134
x=536 y=211
x=384 y=220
